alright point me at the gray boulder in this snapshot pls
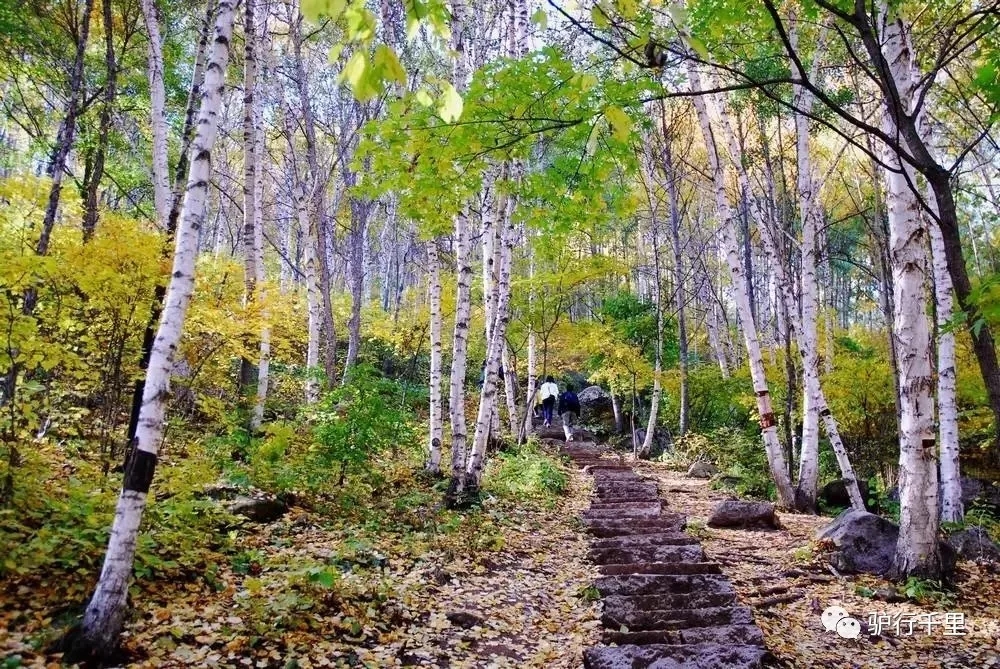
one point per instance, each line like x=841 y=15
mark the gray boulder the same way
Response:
x=595 y=404
x=834 y=493
x=744 y=515
x=262 y=509
x=979 y=489
x=864 y=542
x=974 y=544
x=702 y=470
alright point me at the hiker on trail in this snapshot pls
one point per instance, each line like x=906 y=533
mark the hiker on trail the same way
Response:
x=569 y=409
x=548 y=392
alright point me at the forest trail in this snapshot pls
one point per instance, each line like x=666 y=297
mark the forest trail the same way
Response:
x=664 y=602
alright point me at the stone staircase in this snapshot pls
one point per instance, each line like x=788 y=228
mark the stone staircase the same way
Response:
x=665 y=605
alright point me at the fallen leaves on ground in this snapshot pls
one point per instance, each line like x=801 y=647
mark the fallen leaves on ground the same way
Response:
x=501 y=587
x=783 y=576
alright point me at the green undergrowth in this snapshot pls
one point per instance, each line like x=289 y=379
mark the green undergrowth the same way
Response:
x=526 y=474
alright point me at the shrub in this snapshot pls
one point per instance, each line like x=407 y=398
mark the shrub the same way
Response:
x=525 y=472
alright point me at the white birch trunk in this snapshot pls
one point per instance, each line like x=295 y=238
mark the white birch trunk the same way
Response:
x=529 y=397
x=158 y=120
x=654 y=408
x=463 y=297
x=951 y=484
x=809 y=459
x=806 y=497
x=917 y=552
x=105 y=613
x=264 y=350
x=487 y=398
x=314 y=299
x=768 y=423
x=436 y=427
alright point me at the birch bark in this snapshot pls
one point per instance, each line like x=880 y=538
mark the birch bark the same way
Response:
x=951 y=483
x=436 y=427
x=917 y=552
x=103 y=618
x=768 y=424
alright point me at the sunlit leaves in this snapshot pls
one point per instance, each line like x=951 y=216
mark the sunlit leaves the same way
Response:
x=450 y=108
x=621 y=125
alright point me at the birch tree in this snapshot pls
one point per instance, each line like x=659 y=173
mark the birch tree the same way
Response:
x=727 y=236
x=105 y=613
x=917 y=553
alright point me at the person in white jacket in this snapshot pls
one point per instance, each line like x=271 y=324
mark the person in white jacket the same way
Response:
x=549 y=392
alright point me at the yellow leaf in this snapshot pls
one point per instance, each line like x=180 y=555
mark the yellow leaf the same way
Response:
x=621 y=125
x=354 y=69
x=450 y=108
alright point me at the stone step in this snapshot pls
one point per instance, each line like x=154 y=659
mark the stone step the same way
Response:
x=661 y=568
x=662 y=656
x=626 y=491
x=675 y=538
x=622 y=606
x=622 y=512
x=646 y=553
x=640 y=504
x=654 y=584
x=675 y=619
x=607 y=527
x=744 y=635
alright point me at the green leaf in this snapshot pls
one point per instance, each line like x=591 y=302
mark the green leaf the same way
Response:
x=450 y=107
x=354 y=69
x=698 y=46
x=599 y=18
x=314 y=9
x=424 y=98
x=540 y=18
x=388 y=64
x=621 y=124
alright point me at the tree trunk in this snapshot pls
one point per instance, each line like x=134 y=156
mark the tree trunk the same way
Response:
x=806 y=492
x=654 y=408
x=768 y=424
x=251 y=202
x=314 y=298
x=951 y=484
x=682 y=342
x=917 y=552
x=463 y=267
x=264 y=347
x=317 y=180
x=103 y=618
x=93 y=184
x=158 y=107
x=436 y=427
x=487 y=399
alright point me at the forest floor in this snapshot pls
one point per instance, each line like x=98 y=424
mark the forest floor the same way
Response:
x=508 y=585
x=783 y=576
x=405 y=583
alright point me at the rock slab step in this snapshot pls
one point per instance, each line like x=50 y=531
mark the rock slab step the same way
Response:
x=665 y=605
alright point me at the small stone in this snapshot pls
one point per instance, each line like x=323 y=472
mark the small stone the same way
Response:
x=702 y=470
x=463 y=619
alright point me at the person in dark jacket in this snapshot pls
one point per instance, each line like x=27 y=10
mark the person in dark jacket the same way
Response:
x=569 y=410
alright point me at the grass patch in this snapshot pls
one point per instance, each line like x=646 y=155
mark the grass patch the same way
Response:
x=526 y=472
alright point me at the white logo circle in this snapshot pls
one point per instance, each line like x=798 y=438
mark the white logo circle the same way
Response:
x=849 y=628
x=833 y=615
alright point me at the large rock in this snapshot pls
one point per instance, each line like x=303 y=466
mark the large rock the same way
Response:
x=834 y=494
x=262 y=509
x=702 y=470
x=595 y=405
x=974 y=544
x=864 y=542
x=744 y=515
x=984 y=491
